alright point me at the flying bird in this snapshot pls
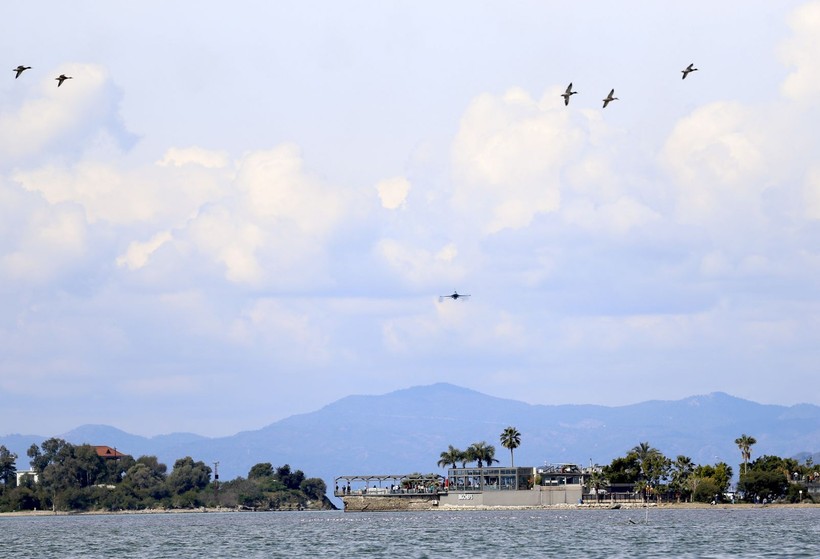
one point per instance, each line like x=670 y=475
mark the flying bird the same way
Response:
x=567 y=93
x=20 y=69
x=61 y=78
x=689 y=69
x=610 y=98
x=455 y=296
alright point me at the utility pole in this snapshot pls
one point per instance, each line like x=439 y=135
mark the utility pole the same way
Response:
x=216 y=482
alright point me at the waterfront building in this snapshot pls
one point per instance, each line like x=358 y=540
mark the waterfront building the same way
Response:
x=464 y=488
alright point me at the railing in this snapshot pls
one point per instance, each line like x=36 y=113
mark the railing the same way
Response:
x=388 y=492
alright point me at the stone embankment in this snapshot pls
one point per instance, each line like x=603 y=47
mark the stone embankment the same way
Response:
x=394 y=504
x=359 y=503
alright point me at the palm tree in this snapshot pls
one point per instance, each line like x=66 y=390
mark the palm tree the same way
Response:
x=642 y=451
x=682 y=470
x=744 y=443
x=511 y=439
x=482 y=453
x=597 y=481
x=467 y=456
x=450 y=456
x=654 y=465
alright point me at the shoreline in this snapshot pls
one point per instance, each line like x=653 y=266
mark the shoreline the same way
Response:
x=448 y=508
x=637 y=506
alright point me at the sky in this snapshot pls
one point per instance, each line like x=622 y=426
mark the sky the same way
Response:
x=237 y=212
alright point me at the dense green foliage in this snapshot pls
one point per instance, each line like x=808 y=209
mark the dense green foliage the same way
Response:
x=772 y=477
x=76 y=478
x=651 y=474
x=8 y=467
x=644 y=472
x=481 y=453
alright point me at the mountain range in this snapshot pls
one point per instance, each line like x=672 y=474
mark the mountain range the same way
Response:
x=405 y=431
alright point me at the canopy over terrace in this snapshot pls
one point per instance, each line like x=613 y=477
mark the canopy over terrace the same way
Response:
x=396 y=484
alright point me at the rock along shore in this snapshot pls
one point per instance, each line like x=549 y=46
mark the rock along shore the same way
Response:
x=585 y=506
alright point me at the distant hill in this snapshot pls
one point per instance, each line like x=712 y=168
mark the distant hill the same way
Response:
x=406 y=430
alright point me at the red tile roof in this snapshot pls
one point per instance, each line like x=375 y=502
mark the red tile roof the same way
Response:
x=108 y=452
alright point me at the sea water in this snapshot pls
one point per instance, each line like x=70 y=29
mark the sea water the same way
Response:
x=713 y=533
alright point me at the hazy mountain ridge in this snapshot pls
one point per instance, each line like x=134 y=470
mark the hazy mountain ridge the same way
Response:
x=406 y=430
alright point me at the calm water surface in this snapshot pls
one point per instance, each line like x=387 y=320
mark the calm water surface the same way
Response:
x=760 y=532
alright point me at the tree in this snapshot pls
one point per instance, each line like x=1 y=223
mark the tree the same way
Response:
x=706 y=490
x=89 y=468
x=723 y=476
x=188 y=475
x=8 y=467
x=482 y=453
x=261 y=470
x=291 y=480
x=511 y=439
x=764 y=483
x=654 y=466
x=451 y=456
x=146 y=479
x=468 y=456
x=745 y=443
x=314 y=488
x=709 y=482
x=597 y=481
x=158 y=469
x=50 y=453
x=625 y=469
x=682 y=469
x=768 y=476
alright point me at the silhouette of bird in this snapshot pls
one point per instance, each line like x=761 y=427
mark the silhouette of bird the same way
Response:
x=20 y=69
x=61 y=78
x=689 y=69
x=566 y=95
x=609 y=98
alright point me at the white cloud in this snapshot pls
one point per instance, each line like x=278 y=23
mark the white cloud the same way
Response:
x=619 y=217
x=52 y=239
x=508 y=156
x=421 y=267
x=62 y=118
x=226 y=238
x=277 y=189
x=802 y=53
x=716 y=157
x=177 y=157
x=294 y=331
x=138 y=253
x=677 y=228
x=811 y=193
x=393 y=192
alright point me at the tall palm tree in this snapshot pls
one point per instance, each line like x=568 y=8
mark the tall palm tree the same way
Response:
x=654 y=465
x=468 y=456
x=744 y=442
x=682 y=470
x=644 y=452
x=482 y=453
x=511 y=439
x=450 y=456
x=597 y=481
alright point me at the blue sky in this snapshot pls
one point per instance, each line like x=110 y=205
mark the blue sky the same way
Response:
x=232 y=214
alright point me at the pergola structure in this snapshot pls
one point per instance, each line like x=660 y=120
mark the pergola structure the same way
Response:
x=389 y=484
